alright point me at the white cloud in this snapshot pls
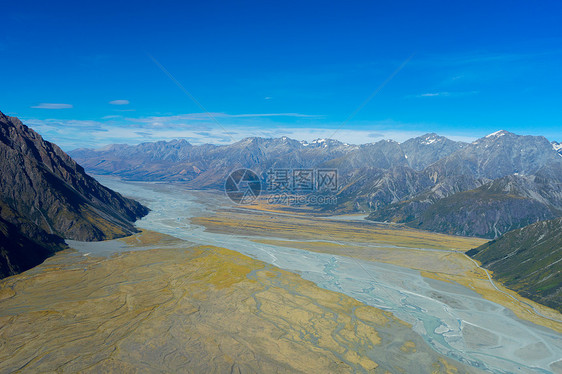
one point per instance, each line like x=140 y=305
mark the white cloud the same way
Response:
x=273 y=115
x=70 y=134
x=216 y=115
x=434 y=94
x=52 y=106
x=119 y=102
x=447 y=94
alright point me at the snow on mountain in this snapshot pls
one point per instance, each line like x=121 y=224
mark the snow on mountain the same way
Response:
x=557 y=147
x=497 y=134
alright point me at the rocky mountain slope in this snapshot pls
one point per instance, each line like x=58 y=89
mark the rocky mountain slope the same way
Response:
x=528 y=260
x=496 y=184
x=362 y=170
x=205 y=165
x=46 y=196
x=178 y=160
x=495 y=156
x=398 y=182
x=488 y=211
x=427 y=149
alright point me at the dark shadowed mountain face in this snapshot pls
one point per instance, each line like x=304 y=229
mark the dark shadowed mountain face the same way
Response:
x=45 y=194
x=488 y=211
x=528 y=260
x=23 y=244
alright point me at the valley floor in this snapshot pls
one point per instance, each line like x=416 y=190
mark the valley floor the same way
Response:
x=208 y=287
x=437 y=256
x=179 y=307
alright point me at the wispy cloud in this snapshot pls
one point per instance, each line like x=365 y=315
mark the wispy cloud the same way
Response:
x=255 y=115
x=207 y=116
x=70 y=134
x=52 y=106
x=119 y=102
x=447 y=94
x=432 y=94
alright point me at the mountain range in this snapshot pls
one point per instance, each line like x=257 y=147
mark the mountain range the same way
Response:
x=485 y=188
x=46 y=197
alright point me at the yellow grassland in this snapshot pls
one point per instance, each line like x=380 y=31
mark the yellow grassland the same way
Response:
x=386 y=243
x=196 y=309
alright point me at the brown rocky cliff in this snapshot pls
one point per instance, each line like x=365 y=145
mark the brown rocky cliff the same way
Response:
x=41 y=185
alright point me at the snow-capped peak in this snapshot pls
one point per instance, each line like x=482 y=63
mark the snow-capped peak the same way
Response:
x=326 y=142
x=497 y=134
x=557 y=147
x=321 y=142
x=430 y=139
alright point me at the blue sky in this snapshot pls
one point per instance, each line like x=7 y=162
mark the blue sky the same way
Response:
x=89 y=73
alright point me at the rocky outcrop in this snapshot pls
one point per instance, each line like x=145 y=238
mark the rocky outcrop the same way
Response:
x=44 y=192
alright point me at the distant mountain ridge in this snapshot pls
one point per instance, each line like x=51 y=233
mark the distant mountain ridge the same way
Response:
x=46 y=196
x=178 y=160
x=396 y=182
